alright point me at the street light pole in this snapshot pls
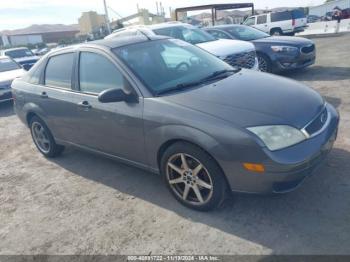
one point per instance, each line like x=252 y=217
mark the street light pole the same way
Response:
x=107 y=18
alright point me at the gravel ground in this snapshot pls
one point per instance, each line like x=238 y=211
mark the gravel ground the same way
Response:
x=85 y=204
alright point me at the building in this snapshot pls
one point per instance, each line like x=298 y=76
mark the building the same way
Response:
x=35 y=34
x=142 y=17
x=90 y=22
x=321 y=10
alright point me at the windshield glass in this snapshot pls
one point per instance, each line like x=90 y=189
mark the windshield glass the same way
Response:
x=191 y=35
x=246 y=33
x=165 y=64
x=18 y=53
x=6 y=64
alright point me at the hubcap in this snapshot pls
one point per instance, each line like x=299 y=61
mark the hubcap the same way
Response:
x=189 y=179
x=40 y=137
x=262 y=64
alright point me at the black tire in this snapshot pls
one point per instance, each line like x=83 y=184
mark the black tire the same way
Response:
x=264 y=63
x=49 y=148
x=276 y=31
x=210 y=173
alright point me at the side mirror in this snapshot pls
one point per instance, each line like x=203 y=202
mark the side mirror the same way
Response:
x=116 y=95
x=26 y=67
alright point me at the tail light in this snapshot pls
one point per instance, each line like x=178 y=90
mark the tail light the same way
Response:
x=293 y=22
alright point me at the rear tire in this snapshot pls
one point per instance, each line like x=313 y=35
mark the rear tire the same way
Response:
x=276 y=32
x=193 y=177
x=43 y=138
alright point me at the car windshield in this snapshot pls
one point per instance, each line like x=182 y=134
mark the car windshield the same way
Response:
x=18 y=53
x=246 y=33
x=6 y=64
x=171 y=64
x=188 y=34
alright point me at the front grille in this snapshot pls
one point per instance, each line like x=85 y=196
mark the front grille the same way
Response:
x=317 y=124
x=308 y=49
x=245 y=59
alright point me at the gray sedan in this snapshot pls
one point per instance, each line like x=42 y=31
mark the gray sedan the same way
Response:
x=169 y=107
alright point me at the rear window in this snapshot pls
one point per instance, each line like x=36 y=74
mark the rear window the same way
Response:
x=59 y=71
x=281 y=16
x=296 y=14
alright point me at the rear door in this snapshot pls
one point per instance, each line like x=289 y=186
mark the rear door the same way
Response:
x=261 y=23
x=299 y=18
x=53 y=95
x=112 y=128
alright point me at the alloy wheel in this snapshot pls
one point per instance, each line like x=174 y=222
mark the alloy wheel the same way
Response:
x=189 y=179
x=40 y=137
x=262 y=64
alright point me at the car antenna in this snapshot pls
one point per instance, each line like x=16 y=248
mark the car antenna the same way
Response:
x=148 y=38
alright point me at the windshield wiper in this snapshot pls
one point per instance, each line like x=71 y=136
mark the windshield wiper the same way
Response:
x=213 y=76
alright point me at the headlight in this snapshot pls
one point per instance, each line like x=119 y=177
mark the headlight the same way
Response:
x=284 y=49
x=278 y=137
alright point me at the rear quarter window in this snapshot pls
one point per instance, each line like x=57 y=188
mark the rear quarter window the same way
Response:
x=281 y=16
x=296 y=14
x=58 y=71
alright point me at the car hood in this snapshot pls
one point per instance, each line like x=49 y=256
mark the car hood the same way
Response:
x=8 y=76
x=284 y=40
x=224 y=47
x=250 y=98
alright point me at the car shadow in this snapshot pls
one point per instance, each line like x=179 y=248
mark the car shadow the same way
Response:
x=6 y=109
x=319 y=73
x=313 y=219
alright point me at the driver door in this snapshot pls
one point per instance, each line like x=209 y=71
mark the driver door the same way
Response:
x=112 y=128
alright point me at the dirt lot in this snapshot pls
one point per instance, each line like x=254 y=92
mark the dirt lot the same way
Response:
x=85 y=204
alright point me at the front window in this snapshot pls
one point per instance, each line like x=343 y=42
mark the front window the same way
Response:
x=7 y=64
x=250 y=21
x=18 y=53
x=165 y=64
x=191 y=35
x=97 y=73
x=246 y=33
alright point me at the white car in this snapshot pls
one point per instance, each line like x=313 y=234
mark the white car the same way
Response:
x=279 y=23
x=235 y=52
x=9 y=70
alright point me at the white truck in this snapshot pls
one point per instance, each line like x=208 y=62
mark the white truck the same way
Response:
x=279 y=23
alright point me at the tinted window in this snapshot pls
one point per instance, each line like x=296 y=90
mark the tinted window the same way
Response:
x=97 y=73
x=191 y=35
x=246 y=33
x=298 y=14
x=7 y=64
x=261 y=19
x=219 y=34
x=281 y=16
x=250 y=21
x=165 y=64
x=19 y=53
x=59 y=71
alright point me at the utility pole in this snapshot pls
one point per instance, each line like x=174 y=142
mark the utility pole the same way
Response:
x=107 y=18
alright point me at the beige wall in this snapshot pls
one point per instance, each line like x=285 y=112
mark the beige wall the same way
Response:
x=90 y=21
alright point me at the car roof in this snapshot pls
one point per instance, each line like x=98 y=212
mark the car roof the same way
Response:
x=13 y=49
x=225 y=26
x=112 y=42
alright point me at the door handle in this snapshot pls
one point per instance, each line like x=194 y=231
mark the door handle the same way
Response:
x=44 y=95
x=84 y=104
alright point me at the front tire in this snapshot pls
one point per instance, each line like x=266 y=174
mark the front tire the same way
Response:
x=193 y=177
x=43 y=138
x=264 y=63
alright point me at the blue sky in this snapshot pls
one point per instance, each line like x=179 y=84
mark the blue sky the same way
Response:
x=22 y=13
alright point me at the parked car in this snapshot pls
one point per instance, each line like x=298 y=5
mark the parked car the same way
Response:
x=275 y=53
x=234 y=52
x=279 y=23
x=9 y=70
x=21 y=55
x=313 y=19
x=172 y=108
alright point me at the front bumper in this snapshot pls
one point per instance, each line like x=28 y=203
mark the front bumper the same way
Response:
x=286 y=169
x=285 y=62
x=5 y=95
